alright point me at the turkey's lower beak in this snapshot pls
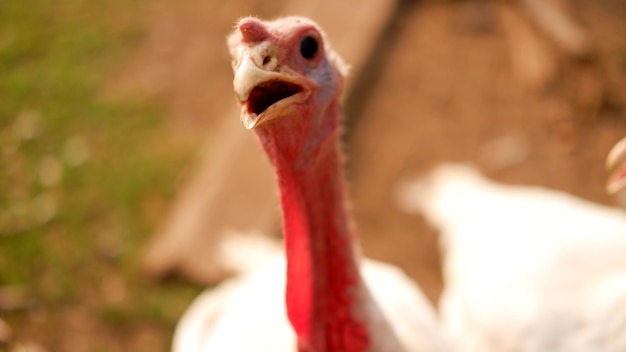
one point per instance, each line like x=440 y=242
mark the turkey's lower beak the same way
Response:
x=616 y=161
x=261 y=90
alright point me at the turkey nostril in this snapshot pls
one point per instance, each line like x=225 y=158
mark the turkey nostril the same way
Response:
x=266 y=60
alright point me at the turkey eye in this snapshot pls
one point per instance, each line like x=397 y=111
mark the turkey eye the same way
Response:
x=308 y=47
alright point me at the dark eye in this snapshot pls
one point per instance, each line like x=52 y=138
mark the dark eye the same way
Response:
x=308 y=47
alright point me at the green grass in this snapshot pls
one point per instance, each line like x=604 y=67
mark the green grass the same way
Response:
x=78 y=171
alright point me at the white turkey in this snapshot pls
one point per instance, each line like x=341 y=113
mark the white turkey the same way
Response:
x=526 y=269
x=320 y=295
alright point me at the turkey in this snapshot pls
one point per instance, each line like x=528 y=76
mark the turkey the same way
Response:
x=525 y=268
x=616 y=161
x=320 y=294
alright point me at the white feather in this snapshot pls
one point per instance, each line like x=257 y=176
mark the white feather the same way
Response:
x=248 y=313
x=525 y=268
x=242 y=252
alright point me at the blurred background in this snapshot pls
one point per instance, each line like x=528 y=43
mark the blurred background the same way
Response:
x=117 y=120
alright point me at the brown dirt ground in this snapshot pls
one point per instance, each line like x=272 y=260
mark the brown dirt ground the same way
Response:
x=441 y=88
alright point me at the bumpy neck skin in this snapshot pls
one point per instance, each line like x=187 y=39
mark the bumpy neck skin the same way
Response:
x=325 y=295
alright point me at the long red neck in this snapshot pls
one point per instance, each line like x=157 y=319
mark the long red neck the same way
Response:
x=324 y=289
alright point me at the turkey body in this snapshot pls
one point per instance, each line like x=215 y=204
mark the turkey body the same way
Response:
x=525 y=268
x=247 y=313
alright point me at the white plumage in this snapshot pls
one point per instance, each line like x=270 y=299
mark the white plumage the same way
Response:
x=525 y=268
x=247 y=313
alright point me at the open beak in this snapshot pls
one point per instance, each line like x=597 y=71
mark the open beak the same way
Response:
x=263 y=92
x=616 y=161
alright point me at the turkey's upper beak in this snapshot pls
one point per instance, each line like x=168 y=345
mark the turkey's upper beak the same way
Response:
x=616 y=161
x=263 y=88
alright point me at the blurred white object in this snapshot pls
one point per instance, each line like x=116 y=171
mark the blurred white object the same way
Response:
x=616 y=163
x=242 y=312
x=244 y=252
x=525 y=268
